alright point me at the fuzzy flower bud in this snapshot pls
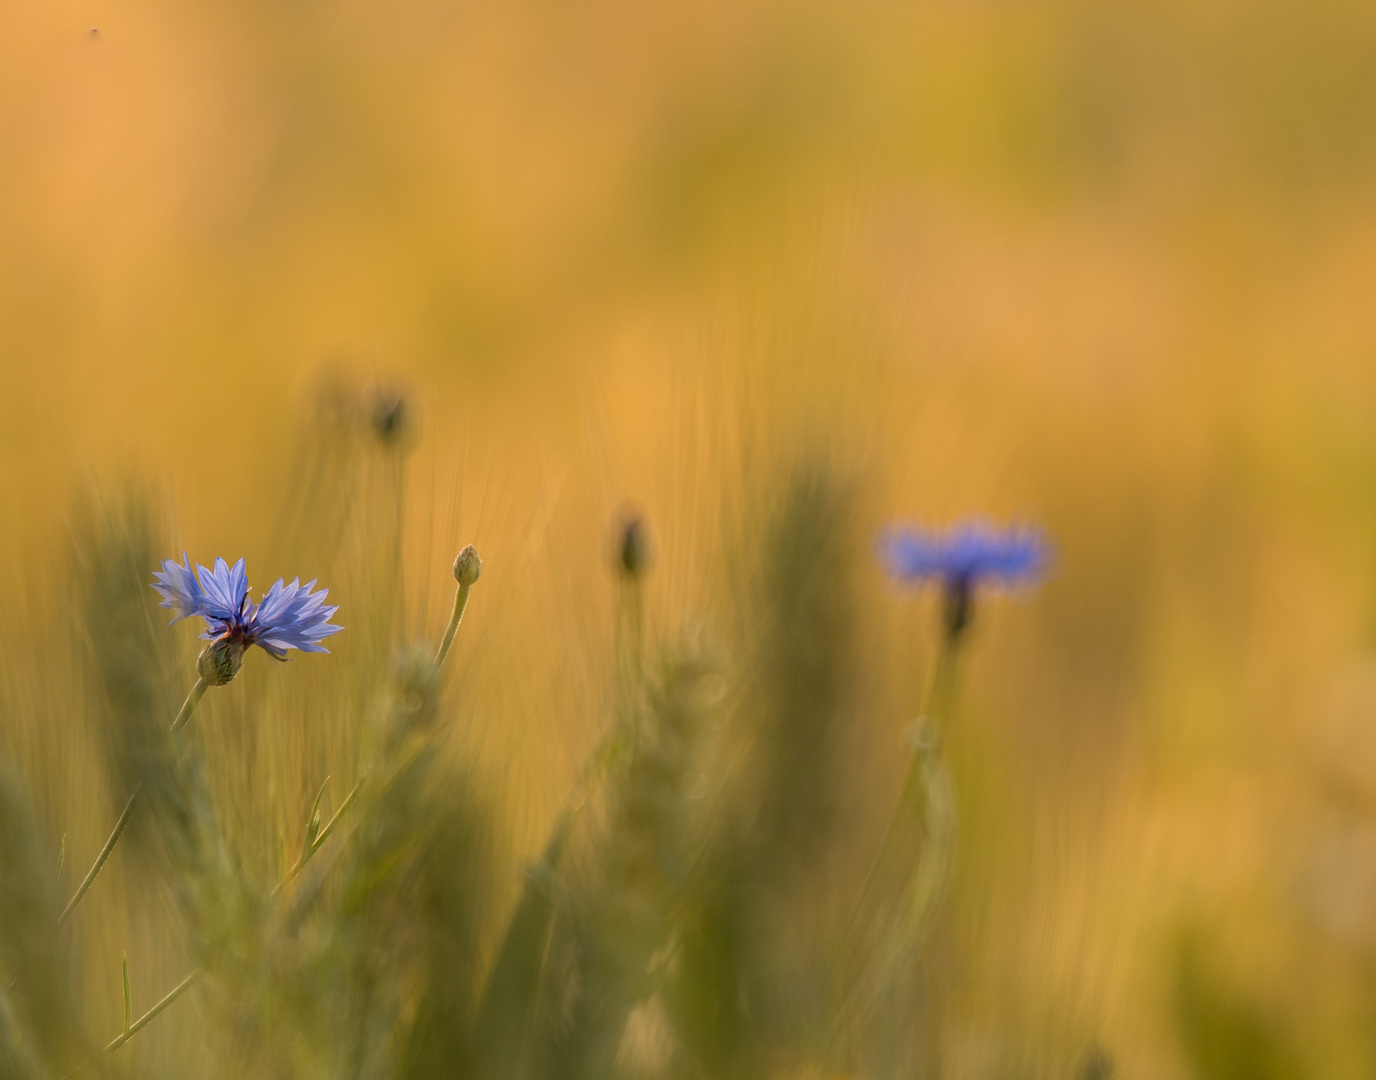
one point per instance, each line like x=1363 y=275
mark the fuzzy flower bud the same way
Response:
x=633 y=550
x=388 y=413
x=220 y=661
x=467 y=566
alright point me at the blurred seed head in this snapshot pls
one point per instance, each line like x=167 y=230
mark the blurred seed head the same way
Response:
x=467 y=566
x=415 y=689
x=633 y=547
x=692 y=670
x=220 y=661
x=389 y=414
x=807 y=667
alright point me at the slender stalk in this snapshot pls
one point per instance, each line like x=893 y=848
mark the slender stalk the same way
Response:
x=104 y=854
x=938 y=698
x=189 y=705
x=928 y=882
x=633 y=631
x=926 y=795
x=460 y=602
x=143 y=1021
x=625 y=733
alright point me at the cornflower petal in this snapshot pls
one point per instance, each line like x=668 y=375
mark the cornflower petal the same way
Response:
x=293 y=617
x=225 y=589
x=179 y=589
x=972 y=553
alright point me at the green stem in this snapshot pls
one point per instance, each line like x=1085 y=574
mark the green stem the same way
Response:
x=631 y=652
x=928 y=882
x=104 y=854
x=460 y=602
x=926 y=794
x=937 y=702
x=189 y=705
x=143 y=1021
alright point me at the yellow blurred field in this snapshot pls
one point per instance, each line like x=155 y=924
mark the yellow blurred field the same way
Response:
x=1109 y=269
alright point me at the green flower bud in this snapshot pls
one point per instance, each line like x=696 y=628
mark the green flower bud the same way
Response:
x=220 y=661
x=467 y=566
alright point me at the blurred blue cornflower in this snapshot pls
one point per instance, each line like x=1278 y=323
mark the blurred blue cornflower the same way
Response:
x=967 y=556
x=287 y=617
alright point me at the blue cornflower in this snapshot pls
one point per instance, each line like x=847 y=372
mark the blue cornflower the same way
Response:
x=971 y=554
x=287 y=617
x=973 y=551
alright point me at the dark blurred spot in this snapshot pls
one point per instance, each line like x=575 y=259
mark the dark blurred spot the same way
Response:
x=1096 y=1064
x=388 y=413
x=956 y=607
x=633 y=546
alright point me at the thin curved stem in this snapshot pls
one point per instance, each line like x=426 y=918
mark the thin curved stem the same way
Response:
x=928 y=882
x=189 y=705
x=926 y=794
x=630 y=633
x=938 y=698
x=90 y=877
x=460 y=602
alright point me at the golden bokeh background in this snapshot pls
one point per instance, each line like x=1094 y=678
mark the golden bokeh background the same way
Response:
x=1106 y=267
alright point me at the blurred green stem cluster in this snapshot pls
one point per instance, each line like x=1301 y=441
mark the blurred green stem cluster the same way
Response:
x=676 y=921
